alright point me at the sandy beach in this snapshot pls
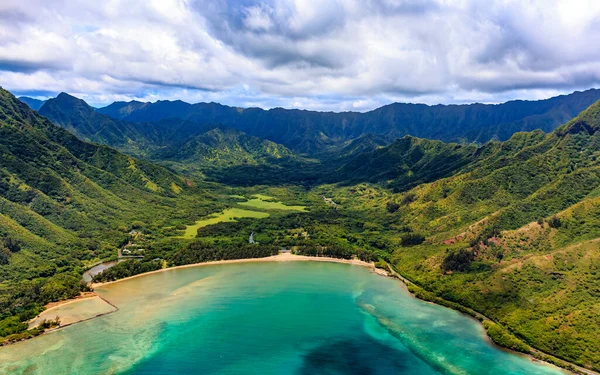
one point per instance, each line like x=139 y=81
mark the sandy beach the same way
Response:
x=89 y=305
x=282 y=257
x=75 y=310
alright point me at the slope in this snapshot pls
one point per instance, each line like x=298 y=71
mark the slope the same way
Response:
x=514 y=235
x=220 y=148
x=82 y=120
x=65 y=204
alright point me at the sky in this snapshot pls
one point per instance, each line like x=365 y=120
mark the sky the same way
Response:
x=333 y=55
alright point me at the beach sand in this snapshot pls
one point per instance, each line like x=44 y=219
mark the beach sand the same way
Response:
x=89 y=305
x=74 y=311
x=281 y=257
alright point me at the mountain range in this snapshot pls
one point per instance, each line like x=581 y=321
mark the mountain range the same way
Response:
x=67 y=203
x=490 y=207
x=310 y=131
x=170 y=132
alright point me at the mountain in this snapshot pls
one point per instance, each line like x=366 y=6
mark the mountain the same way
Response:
x=509 y=229
x=349 y=156
x=82 y=120
x=185 y=146
x=34 y=104
x=65 y=204
x=514 y=235
x=220 y=148
x=406 y=163
x=136 y=111
x=365 y=143
x=310 y=131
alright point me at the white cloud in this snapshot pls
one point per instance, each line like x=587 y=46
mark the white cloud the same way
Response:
x=257 y=18
x=318 y=54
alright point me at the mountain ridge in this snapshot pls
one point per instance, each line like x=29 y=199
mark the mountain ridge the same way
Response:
x=310 y=131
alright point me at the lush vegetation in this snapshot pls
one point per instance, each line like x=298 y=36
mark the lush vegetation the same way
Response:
x=198 y=252
x=508 y=230
x=66 y=204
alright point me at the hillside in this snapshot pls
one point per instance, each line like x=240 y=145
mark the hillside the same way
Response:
x=310 y=131
x=508 y=229
x=514 y=235
x=65 y=204
x=185 y=146
x=221 y=148
x=82 y=120
x=189 y=147
x=406 y=163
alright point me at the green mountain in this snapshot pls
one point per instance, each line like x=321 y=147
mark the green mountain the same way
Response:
x=513 y=235
x=310 y=131
x=509 y=229
x=182 y=145
x=406 y=163
x=187 y=146
x=82 y=120
x=34 y=104
x=65 y=204
x=221 y=148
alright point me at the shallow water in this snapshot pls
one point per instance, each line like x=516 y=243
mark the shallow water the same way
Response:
x=74 y=311
x=267 y=318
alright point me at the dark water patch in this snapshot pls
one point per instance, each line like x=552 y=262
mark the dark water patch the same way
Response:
x=360 y=356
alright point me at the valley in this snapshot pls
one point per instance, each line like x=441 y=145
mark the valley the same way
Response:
x=300 y=187
x=507 y=229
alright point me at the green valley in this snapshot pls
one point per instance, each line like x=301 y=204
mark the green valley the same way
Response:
x=508 y=230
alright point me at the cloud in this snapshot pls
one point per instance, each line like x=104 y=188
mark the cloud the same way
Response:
x=316 y=54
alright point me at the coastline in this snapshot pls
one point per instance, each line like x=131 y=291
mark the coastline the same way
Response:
x=281 y=257
x=288 y=257
x=480 y=318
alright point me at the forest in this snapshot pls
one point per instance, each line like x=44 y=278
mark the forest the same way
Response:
x=506 y=229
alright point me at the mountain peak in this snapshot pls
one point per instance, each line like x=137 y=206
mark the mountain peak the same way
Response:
x=65 y=97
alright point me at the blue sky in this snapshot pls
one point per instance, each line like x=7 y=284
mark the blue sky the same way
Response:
x=312 y=54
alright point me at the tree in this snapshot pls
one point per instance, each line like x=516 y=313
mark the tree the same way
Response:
x=554 y=222
x=4 y=255
x=411 y=239
x=12 y=244
x=458 y=260
x=392 y=207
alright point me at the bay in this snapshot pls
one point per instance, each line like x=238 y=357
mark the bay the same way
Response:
x=267 y=318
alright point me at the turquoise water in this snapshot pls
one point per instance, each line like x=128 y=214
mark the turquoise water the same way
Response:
x=267 y=318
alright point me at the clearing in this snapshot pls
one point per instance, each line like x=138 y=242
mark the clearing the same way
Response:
x=229 y=214
x=264 y=202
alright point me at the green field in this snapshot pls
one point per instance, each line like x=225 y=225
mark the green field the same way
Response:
x=264 y=202
x=229 y=214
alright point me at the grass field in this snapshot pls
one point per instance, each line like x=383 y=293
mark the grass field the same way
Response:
x=264 y=202
x=229 y=214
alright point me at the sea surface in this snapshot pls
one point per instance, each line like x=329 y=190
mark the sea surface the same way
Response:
x=267 y=318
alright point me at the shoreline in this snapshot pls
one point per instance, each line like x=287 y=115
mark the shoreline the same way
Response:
x=288 y=257
x=479 y=318
x=281 y=257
